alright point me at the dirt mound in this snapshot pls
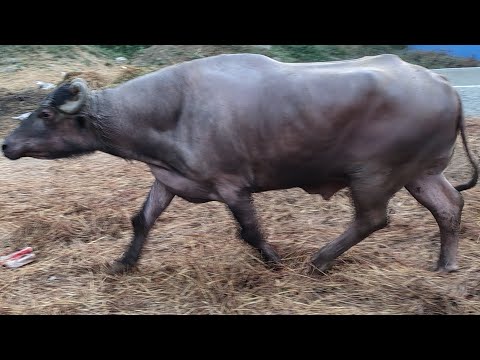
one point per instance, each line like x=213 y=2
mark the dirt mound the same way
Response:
x=50 y=66
x=129 y=72
x=15 y=103
x=94 y=79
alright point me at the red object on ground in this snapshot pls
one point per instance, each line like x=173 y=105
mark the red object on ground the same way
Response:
x=18 y=258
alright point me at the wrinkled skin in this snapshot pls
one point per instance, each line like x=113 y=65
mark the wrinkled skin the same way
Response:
x=224 y=127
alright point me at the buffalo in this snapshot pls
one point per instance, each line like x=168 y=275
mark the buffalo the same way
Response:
x=224 y=127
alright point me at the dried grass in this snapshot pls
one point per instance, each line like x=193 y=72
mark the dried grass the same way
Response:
x=129 y=72
x=94 y=79
x=75 y=214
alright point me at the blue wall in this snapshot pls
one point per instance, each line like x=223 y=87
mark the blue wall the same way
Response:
x=457 y=50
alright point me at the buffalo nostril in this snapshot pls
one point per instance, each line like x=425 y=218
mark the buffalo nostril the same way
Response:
x=4 y=147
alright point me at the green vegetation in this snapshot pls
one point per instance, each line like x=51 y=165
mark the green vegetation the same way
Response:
x=147 y=55
x=297 y=53
x=127 y=51
x=63 y=51
x=70 y=51
x=168 y=54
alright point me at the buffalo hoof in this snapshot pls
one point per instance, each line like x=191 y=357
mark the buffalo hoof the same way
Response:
x=270 y=256
x=447 y=268
x=118 y=267
x=320 y=263
x=319 y=267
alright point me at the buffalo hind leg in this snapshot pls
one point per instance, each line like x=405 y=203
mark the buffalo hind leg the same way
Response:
x=241 y=206
x=370 y=203
x=446 y=204
x=157 y=201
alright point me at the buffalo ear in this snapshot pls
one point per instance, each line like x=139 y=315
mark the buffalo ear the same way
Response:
x=77 y=87
x=74 y=90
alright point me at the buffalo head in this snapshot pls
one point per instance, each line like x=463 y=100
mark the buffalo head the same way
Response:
x=59 y=128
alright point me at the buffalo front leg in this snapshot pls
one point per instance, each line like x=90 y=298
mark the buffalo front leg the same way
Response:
x=446 y=204
x=157 y=201
x=241 y=206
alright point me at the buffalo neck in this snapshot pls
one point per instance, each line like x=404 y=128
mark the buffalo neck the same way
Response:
x=135 y=120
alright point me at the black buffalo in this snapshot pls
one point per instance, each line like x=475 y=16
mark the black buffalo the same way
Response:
x=224 y=127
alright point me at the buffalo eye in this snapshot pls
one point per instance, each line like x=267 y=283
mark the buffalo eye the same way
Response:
x=81 y=122
x=46 y=115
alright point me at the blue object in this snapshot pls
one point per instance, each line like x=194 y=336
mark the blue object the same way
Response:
x=469 y=51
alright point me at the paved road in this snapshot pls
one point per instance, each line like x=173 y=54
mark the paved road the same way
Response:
x=467 y=82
